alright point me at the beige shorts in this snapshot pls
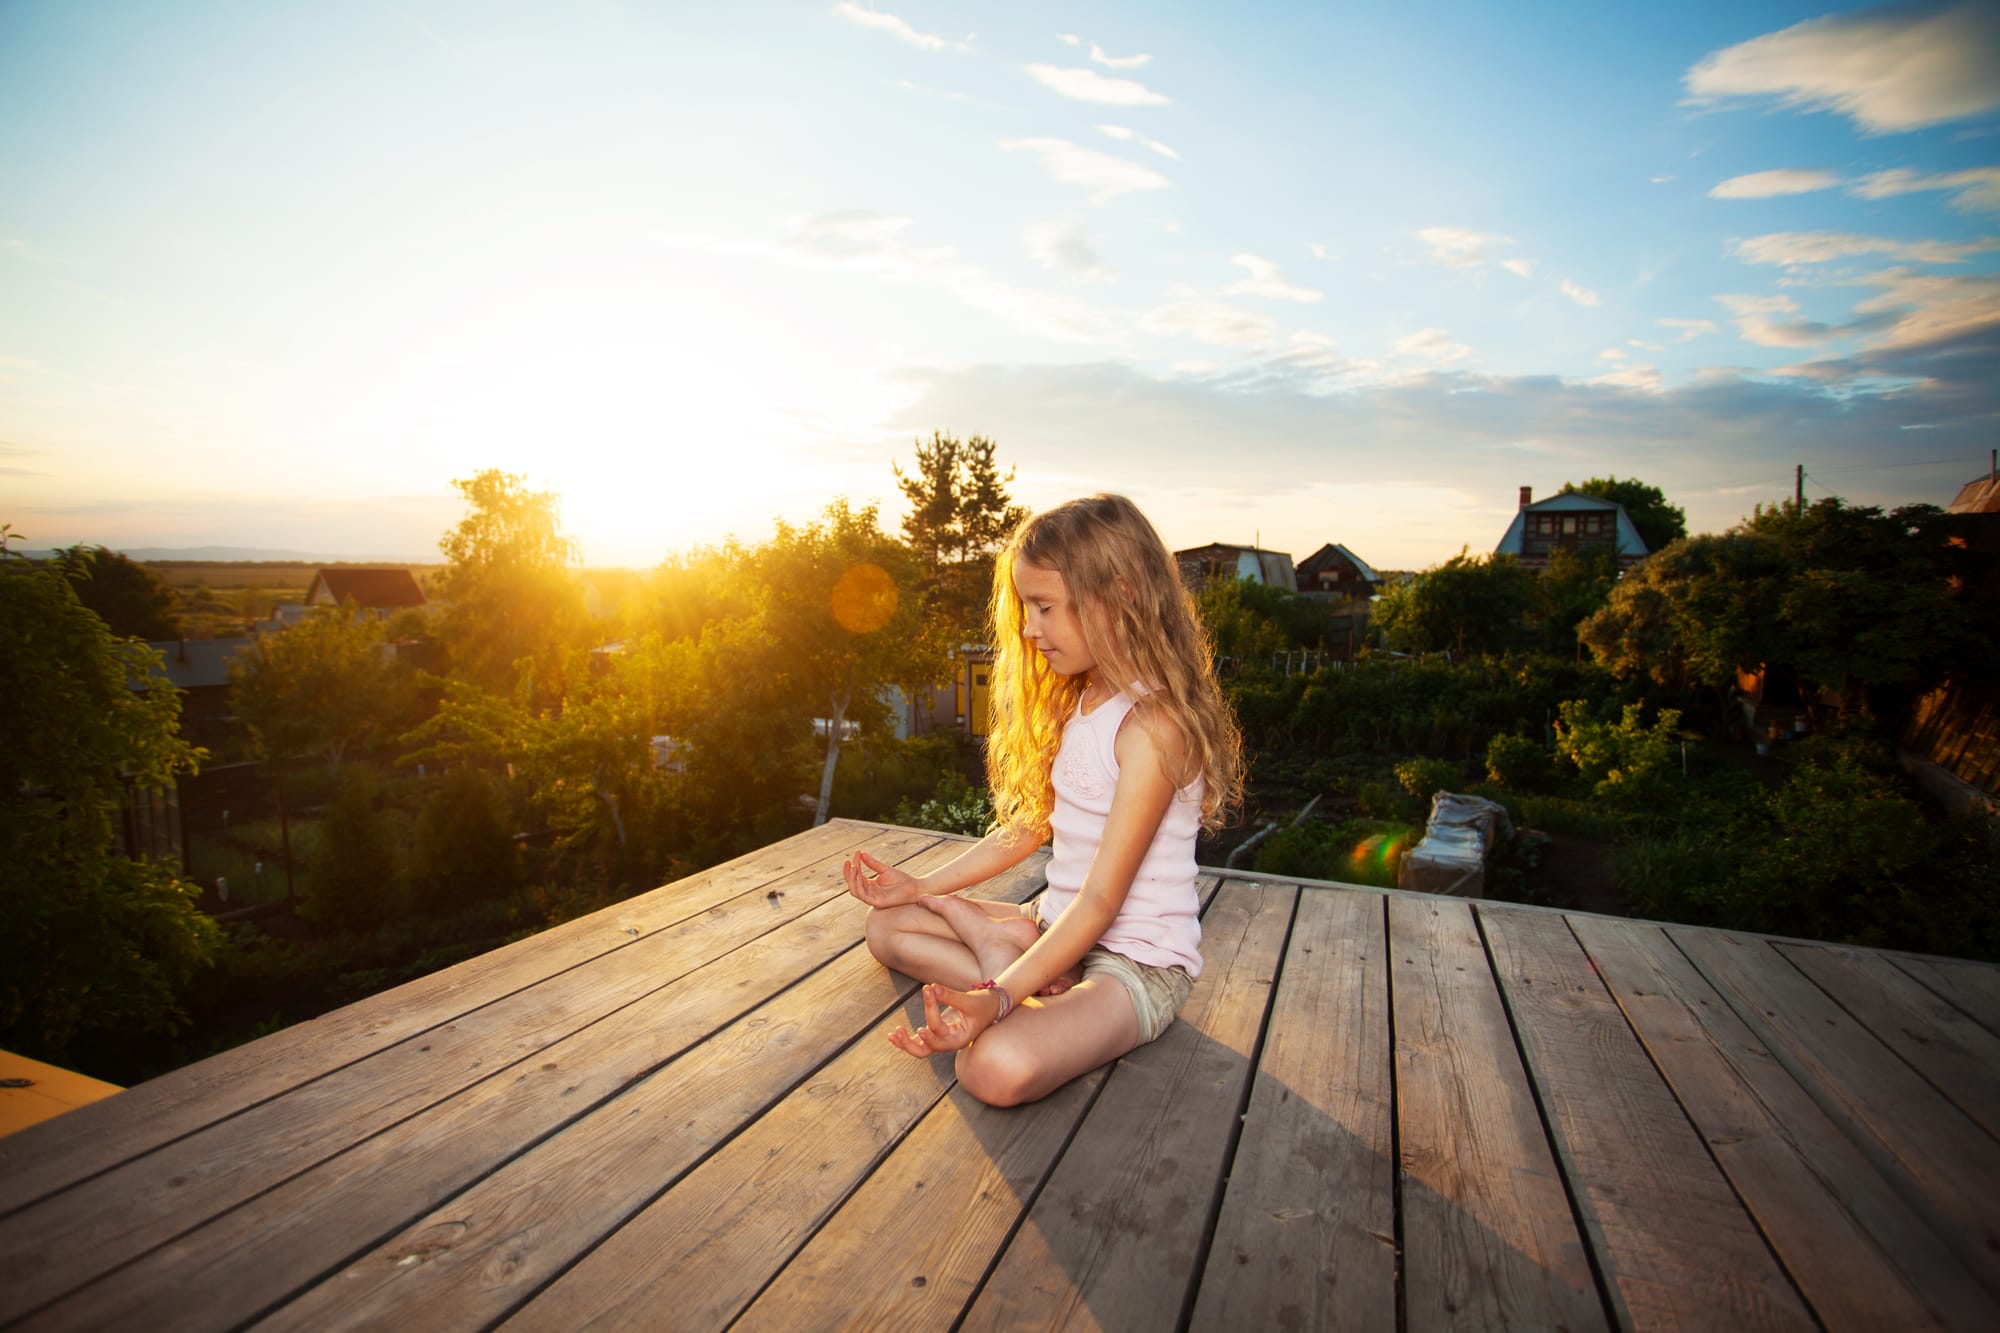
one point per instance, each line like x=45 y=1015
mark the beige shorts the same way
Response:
x=1157 y=992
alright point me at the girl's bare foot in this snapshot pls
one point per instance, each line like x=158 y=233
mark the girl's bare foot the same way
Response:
x=995 y=941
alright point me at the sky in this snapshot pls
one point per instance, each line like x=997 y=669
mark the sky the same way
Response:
x=273 y=274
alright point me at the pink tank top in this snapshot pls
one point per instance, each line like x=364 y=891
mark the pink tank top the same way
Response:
x=1160 y=922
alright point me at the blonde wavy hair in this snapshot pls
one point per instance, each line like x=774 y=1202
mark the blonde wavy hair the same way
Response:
x=1140 y=625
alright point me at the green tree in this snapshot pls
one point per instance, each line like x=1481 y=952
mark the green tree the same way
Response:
x=1570 y=588
x=1250 y=621
x=321 y=687
x=960 y=515
x=1659 y=524
x=464 y=843
x=123 y=592
x=509 y=588
x=357 y=880
x=1468 y=604
x=92 y=944
x=1866 y=604
x=836 y=599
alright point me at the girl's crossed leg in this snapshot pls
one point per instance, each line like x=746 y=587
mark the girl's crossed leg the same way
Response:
x=957 y=942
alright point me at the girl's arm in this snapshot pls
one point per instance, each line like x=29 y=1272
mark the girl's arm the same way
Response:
x=1146 y=754
x=880 y=884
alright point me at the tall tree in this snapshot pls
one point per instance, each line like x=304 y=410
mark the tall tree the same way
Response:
x=91 y=942
x=838 y=604
x=1858 y=601
x=1468 y=604
x=960 y=515
x=321 y=687
x=1660 y=524
x=130 y=599
x=508 y=586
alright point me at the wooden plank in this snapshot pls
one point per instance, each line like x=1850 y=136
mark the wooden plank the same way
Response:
x=1973 y=987
x=1860 y=1256
x=1944 y=1165
x=1489 y=1240
x=909 y=1248
x=121 y=1214
x=700 y=1253
x=1672 y=1240
x=1115 y=1237
x=1939 y=1040
x=1306 y=1236
x=38 y=1162
x=257 y=1255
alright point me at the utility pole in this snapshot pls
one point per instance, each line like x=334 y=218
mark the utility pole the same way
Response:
x=1799 y=488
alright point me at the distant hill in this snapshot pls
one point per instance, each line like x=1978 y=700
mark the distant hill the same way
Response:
x=241 y=554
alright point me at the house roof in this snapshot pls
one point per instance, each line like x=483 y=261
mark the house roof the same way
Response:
x=1571 y=502
x=194 y=664
x=375 y=589
x=1981 y=495
x=1252 y=562
x=1325 y=554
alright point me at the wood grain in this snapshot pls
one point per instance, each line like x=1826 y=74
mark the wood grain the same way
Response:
x=1943 y=1164
x=1973 y=987
x=1862 y=1257
x=1671 y=1238
x=1933 y=1036
x=1489 y=1237
x=1306 y=1236
x=1114 y=1238
x=40 y=1161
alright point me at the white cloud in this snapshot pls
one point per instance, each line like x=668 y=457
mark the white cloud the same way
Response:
x=1522 y=268
x=1316 y=250
x=1612 y=354
x=1265 y=280
x=1116 y=62
x=1128 y=135
x=1919 y=310
x=1649 y=346
x=1819 y=247
x=1069 y=39
x=1105 y=176
x=896 y=27
x=1087 y=85
x=1214 y=322
x=1689 y=329
x=1661 y=180
x=1063 y=246
x=1889 y=69
x=1766 y=184
x=1639 y=375
x=878 y=243
x=1976 y=190
x=1434 y=345
x=1460 y=247
x=1757 y=320
x=1580 y=295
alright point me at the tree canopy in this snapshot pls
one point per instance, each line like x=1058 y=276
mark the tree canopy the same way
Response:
x=508 y=589
x=960 y=515
x=1468 y=604
x=124 y=593
x=320 y=687
x=1852 y=598
x=90 y=940
x=1660 y=524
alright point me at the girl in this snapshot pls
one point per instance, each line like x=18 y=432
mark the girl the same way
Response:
x=1110 y=735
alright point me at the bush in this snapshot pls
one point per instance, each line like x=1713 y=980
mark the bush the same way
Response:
x=955 y=806
x=1425 y=778
x=356 y=882
x=464 y=844
x=1625 y=760
x=1518 y=764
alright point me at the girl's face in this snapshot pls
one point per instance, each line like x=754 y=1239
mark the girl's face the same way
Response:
x=1049 y=619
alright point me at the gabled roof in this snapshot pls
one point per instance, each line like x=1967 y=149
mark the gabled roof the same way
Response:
x=1978 y=496
x=1312 y=563
x=1252 y=562
x=1571 y=502
x=194 y=664
x=374 y=589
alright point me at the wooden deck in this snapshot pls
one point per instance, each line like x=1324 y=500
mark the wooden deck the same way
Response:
x=1380 y=1110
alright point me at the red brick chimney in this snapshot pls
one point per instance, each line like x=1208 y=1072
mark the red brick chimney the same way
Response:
x=1527 y=496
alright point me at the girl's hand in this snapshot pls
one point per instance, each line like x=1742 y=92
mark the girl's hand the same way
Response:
x=951 y=1020
x=878 y=883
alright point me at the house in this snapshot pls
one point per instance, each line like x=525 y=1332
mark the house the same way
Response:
x=1571 y=521
x=384 y=591
x=199 y=669
x=1337 y=574
x=1220 y=560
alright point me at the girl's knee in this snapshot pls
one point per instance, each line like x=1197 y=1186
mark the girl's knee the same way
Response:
x=999 y=1072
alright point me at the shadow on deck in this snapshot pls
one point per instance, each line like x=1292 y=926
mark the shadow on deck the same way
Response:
x=1380 y=1110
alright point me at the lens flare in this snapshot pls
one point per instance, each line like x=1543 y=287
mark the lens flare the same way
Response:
x=864 y=598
